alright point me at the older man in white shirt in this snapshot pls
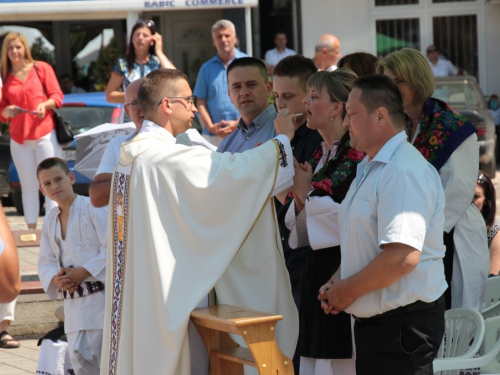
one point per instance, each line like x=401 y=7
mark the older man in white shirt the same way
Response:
x=391 y=278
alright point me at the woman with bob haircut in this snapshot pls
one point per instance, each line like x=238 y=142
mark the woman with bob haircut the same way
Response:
x=144 y=54
x=485 y=201
x=29 y=113
x=325 y=341
x=448 y=141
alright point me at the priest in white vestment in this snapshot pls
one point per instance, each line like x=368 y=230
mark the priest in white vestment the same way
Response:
x=179 y=215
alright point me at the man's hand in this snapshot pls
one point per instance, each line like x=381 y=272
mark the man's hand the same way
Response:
x=100 y=189
x=224 y=128
x=73 y=277
x=335 y=296
x=284 y=123
x=301 y=180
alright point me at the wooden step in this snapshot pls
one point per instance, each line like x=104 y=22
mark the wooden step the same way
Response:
x=237 y=355
x=228 y=318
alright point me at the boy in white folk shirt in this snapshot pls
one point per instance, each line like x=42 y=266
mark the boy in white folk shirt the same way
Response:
x=72 y=260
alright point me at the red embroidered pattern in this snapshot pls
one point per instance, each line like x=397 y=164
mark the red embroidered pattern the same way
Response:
x=120 y=212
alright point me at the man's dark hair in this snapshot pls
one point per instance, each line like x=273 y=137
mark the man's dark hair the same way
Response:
x=50 y=163
x=157 y=85
x=378 y=90
x=361 y=63
x=249 y=62
x=296 y=66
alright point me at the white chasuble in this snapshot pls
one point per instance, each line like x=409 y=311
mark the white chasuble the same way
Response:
x=183 y=220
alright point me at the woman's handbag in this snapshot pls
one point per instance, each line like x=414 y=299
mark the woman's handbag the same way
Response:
x=63 y=131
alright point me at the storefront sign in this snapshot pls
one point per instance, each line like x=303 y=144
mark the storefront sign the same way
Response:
x=198 y=3
x=72 y=6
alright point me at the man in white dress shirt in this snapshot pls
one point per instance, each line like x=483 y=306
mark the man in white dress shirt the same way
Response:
x=327 y=52
x=391 y=278
x=439 y=65
x=275 y=55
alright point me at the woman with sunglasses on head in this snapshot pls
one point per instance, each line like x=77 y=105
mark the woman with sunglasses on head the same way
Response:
x=144 y=54
x=448 y=141
x=485 y=201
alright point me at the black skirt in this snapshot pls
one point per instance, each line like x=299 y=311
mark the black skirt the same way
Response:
x=321 y=336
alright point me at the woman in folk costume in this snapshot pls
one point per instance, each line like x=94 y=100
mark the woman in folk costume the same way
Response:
x=325 y=342
x=449 y=142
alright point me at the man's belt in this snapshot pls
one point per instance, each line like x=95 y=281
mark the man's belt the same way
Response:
x=412 y=307
x=84 y=289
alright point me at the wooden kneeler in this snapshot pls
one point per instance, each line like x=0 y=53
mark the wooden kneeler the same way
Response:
x=257 y=328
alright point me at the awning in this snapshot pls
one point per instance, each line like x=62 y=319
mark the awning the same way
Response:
x=72 y=6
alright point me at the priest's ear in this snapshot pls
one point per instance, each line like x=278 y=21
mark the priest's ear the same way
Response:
x=166 y=106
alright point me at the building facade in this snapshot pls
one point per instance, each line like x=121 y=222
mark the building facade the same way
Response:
x=467 y=32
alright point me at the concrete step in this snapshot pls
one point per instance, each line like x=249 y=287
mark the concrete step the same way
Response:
x=34 y=315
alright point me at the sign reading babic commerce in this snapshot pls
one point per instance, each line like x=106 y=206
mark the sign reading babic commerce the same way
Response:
x=198 y=3
x=72 y=6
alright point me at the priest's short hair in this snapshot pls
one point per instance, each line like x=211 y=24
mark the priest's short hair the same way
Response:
x=157 y=85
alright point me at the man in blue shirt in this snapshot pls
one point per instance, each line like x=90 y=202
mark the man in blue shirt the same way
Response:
x=214 y=106
x=249 y=91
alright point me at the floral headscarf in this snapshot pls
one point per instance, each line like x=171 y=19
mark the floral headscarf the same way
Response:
x=442 y=130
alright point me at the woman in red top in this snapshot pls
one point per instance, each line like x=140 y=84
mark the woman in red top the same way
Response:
x=29 y=111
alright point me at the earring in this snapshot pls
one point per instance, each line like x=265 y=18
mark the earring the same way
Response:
x=331 y=118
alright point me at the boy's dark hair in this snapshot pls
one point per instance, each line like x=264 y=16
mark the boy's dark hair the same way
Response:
x=246 y=62
x=50 y=163
x=296 y=66
x=378 y=90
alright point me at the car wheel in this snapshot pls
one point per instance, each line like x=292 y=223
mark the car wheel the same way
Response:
x=490 y=168
x=18 y=203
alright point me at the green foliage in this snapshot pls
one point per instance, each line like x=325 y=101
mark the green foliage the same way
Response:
x=41 y=53
x=104 y=64
x=4 y=128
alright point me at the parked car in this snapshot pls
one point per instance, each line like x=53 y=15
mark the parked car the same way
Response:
x=83 y=112
x=464 y=95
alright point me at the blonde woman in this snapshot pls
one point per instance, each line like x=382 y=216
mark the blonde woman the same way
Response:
x=448 y=141
x=29 y=111
x=325 y=341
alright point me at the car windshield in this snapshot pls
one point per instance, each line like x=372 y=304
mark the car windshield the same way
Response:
x=82 y=119
x=457 y=94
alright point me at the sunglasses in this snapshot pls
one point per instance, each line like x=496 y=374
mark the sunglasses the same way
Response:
x=482 y=179
x=150 y=24
x=431 y=50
